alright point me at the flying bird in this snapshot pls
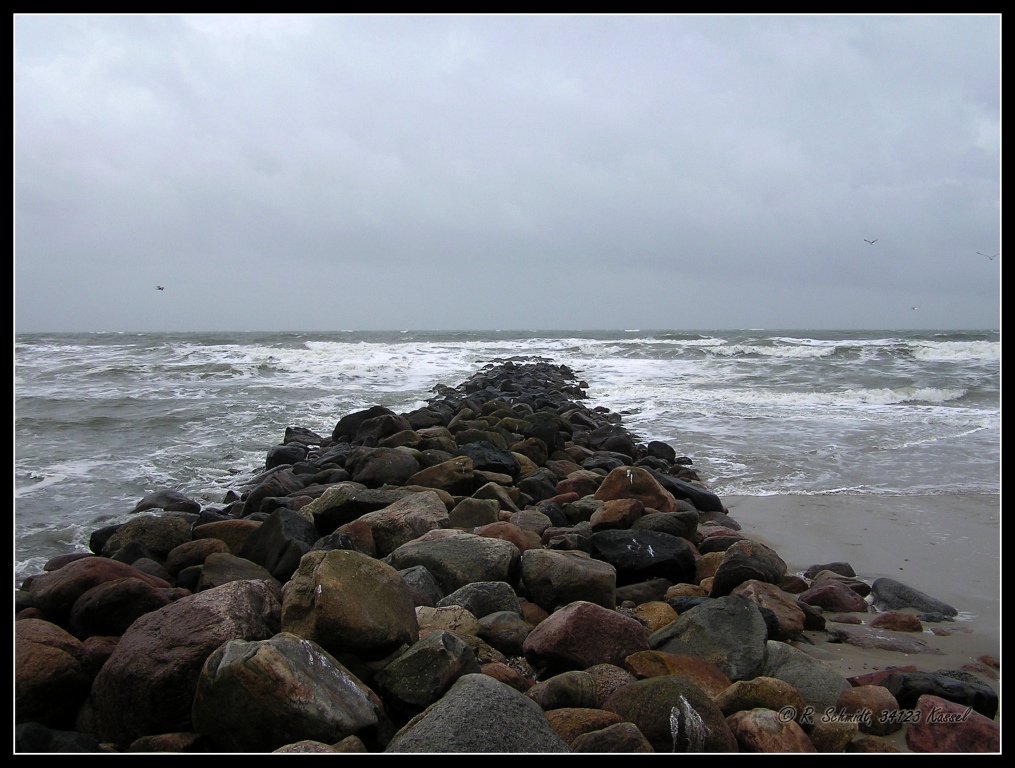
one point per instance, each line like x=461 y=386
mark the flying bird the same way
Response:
x=989 y=256
x=914 y=307
x=161 y=287
x=870 y=241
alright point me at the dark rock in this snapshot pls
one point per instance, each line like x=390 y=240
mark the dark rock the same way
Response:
x=479 y=714
x=894 y=595
x=35 y=737
x=729 y=631
x=908 y=687
x=256 y=696
x=644 y=554
x=280 y=542
x=482 y=598
x=349 y=425
x=747 y=560
x=280 y=455
x=111 y=607
x=168 y=500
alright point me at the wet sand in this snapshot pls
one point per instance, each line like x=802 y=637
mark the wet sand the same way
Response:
x=948 y=547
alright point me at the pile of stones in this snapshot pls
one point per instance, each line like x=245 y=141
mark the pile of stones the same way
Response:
x=502 y=570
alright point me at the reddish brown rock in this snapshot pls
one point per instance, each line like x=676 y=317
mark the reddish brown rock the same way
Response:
x=506 y=531
x=582 y=634
x=55 y=592
x=944 y=726
x=147 y=686
x=111 y=607
x=874 y=678
x=622 y=738
x=871 y=637
x=872 y=707
x=617 y=513
x=233 y=532
x=789 y=616
x=765 y=730
x=51 y=674
x=636 y=483
x=834 y=596
x=704 y=673
x=862 y=588
x=193 y=552
x=498 y=670
x=571 y=722
x=897 y=621
x=581 y=482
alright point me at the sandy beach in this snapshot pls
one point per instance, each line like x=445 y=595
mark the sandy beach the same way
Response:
x=947 y=546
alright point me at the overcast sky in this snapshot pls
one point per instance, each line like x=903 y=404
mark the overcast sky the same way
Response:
x=506 y=172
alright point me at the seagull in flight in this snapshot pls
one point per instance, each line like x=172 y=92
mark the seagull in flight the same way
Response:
x=914 y=307
x=989 y=256
x=161 y=287
x=870 y=241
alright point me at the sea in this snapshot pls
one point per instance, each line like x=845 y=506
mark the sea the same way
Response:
x=101 y=419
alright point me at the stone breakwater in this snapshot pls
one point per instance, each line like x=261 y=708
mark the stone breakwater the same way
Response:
x=503 y=570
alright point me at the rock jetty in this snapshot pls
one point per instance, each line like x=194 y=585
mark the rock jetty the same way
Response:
x=506 y=569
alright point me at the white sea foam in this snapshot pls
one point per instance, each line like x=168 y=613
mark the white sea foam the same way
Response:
x=957 y=351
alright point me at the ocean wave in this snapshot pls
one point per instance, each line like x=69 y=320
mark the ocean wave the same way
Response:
x=782 y=351
x=957 y=351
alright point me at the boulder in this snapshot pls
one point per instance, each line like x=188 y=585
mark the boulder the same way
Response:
x=348 y=602
x=147 y=685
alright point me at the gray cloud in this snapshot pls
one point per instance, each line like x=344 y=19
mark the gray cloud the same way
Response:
x=373 y=172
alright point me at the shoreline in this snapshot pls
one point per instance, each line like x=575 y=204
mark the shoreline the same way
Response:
x=946 y=546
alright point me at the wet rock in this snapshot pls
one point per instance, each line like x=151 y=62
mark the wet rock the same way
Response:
x=479 y=714
x=764 y=730
x=147 y=685
x=891 y=595
x=582 y=634
x=946 y=726
x=256 y=696
x=348 y=602
x=729 y=631
x=674 y=715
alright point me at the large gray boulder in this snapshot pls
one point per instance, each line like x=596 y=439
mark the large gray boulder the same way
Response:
x=479 y=714
x=818 y=684
x=405 y=520
x=892 y=595
x=554 y=578
x=456 y=559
